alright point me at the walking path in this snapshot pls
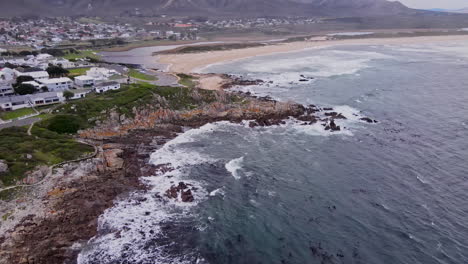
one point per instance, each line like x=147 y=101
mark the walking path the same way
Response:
x=17 y=123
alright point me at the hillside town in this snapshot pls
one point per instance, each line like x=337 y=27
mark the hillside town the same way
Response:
x=51 y=32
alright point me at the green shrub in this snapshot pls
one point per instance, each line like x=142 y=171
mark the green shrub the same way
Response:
x=64 y=124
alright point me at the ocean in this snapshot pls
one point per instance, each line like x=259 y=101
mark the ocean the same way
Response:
x=391 y=192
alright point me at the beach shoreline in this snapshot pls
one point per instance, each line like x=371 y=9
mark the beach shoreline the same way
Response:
x=195 y=62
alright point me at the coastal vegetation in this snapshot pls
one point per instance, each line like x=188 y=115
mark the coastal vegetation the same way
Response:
x=16 y=113
x=186 y=80
x=214 y=47
x=81 y=54
x=23 y=153
x=77 y=72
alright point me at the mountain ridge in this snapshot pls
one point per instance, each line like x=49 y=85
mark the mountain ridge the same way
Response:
x=204 y=7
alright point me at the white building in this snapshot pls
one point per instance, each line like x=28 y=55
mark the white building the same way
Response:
x=66 y=64
x=36 y=75
x=7 y=75
x=6 y=90
x=44 y=57
x=84 y=81
x=106 y=86
x=58 y=84
x=48 y=98
x=11 y=103
x=34 y=83
x=80 y=93
x=100 y=74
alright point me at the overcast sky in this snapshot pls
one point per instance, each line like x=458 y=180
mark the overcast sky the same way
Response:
x=436 y=3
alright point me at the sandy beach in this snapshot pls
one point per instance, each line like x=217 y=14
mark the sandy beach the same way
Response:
x=189 y=63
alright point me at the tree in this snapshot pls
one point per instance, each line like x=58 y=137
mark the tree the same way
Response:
x=44 y=89
x=22 y=79
x=25 y=53
x=68 y=95
x=56 y=71
x=24 y=88
x=64 y=124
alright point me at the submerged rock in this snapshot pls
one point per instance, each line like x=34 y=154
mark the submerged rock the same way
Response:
x=368 y=120
x=332 y=126
x=335 y=115
x=184 y=190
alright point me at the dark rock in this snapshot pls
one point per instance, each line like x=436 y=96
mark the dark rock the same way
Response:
x=187 y=196
x=183 y=189
x=332 y=126
x=368 y=120
x=308 y=118
x=172 y=192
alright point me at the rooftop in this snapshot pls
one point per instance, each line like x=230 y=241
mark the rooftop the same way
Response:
x=56 y=80
x=84 y=78
x=107 y=84
x=11 y=99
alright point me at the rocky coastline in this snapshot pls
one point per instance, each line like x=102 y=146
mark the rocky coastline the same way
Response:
x=51 y=223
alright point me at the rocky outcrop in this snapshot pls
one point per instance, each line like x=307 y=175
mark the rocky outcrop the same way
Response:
x=368 y=120
x=36 y=175
x=113 y=160
x=182 y=190
x=76 y=195
x=3 y=167
x=335 y=115
x=332 y=126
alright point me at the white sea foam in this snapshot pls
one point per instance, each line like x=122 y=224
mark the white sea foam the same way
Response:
x=454 y=49
x=287 y=71
x=133 y=222
x=216 y=192
x=234 y=166
x=350 y=34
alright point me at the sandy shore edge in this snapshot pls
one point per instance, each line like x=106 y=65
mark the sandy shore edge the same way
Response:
x=192 y=63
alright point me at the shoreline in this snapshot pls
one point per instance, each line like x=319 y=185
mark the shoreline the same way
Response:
x=194 y=62
x=53 y=222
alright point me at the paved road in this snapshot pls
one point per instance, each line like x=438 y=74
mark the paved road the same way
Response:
x=17 y=123
x=165 y=79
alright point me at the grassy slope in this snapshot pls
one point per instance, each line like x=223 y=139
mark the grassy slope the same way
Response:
x=128 y=97
x=77 y=72
x=47 y=147
x=186 y=80
x=16 y=114
x=44 y=147
x=82 y=54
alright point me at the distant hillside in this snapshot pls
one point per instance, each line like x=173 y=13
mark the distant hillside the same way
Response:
x=203 y=7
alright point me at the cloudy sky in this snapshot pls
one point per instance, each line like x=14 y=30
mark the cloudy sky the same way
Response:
x=436 y=3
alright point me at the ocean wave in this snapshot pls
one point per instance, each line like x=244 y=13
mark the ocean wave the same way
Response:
x=327 y=63
x=234 y=166
x=130 y=231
